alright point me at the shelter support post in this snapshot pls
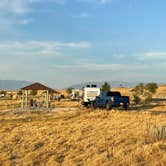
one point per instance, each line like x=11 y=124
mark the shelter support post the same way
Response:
x=26 y=98
x=47 y=99
x=22 y=100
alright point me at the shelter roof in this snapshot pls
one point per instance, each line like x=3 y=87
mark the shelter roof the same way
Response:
x=38 y=86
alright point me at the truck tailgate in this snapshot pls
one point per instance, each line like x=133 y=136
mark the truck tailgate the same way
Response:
x=125 y=99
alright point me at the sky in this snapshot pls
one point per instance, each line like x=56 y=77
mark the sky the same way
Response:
x=66 y=42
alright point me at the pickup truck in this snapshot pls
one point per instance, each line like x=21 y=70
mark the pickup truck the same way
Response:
x=111 y=99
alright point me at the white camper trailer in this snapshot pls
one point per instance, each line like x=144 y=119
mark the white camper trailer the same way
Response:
x=90 y=93
x=77 y=94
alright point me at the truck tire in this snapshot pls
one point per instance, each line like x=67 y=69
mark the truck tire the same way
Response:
x=94 y=105
x=125 y=107
x=86 y=104
x=108 y=106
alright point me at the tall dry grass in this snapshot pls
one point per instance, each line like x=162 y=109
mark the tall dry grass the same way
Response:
x=9 y=104
x=84 y=137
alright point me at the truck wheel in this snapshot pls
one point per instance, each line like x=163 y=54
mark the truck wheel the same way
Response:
x=125 y=107
x=108 y=106
x=85 y=104
x=94 y=105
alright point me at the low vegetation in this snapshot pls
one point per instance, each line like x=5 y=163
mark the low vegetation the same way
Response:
x=143 y=93
x=106 y=87
x=84 y=137
x=9 y=104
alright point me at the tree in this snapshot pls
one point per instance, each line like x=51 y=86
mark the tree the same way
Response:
x=139 y=89
x=151 y=87
x=105 y=87
x=143 y=93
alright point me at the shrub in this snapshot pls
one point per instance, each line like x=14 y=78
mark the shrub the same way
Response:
x=105 y=87
x=156 y=133
x=151 y=87
x=137 y=99
x=143 y=93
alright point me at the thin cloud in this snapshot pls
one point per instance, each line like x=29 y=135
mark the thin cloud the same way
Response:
x=79 y=45
x=96 y=1
x=155 y=54
x=22 y=6
x=82 y=15
x=14 y=6
x=26 y=21
x=105 y=67
x=38 y=48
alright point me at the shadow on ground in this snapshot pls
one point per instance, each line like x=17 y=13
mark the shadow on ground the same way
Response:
x=144 y=107
x=156 y=103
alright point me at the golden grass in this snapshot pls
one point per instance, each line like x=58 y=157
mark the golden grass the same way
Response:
x=161 y=92
x=9 y=104
x=124 y=91
x=84 y=137
x=12 y=104
x=65 y=103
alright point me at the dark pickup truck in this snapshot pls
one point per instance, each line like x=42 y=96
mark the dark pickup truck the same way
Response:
x=111 y=99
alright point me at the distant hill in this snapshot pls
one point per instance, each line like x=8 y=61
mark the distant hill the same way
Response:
x=114 y=84
x=13 y=84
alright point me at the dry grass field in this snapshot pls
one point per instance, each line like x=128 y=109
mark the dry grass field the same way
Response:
x=85 y=137
x=9 y=104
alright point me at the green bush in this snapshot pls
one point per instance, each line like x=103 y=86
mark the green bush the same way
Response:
x=106 y=87
x=137 y=100
x=143 y=93
x=151 y=87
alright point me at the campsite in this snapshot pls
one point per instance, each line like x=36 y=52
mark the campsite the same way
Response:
x=71 y=134
x=82 y=83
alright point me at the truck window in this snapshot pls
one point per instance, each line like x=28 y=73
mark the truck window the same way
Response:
x=102 y=94
x=113 y=94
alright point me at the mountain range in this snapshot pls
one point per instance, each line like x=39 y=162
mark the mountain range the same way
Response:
x=13 y=84
x=16 y=85
x=114 y=84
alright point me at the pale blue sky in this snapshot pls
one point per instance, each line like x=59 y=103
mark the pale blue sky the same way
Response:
x=65 y=42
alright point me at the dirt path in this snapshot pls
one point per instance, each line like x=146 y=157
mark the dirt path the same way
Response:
x=65 y=109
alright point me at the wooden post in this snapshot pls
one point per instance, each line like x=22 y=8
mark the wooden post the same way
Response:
x=26 y=98
x=47 y=98
x=22 y=100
